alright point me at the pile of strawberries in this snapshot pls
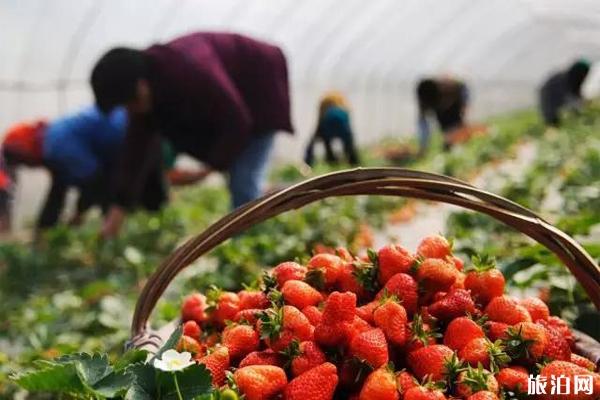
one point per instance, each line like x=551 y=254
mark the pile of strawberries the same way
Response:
x=388 y=325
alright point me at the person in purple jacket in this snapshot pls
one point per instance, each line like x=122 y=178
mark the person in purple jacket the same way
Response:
x=218 y=97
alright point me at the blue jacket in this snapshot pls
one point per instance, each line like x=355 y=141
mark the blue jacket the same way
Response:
x=78 y=146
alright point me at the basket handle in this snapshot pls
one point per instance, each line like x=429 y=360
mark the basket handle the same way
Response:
x=366 y=181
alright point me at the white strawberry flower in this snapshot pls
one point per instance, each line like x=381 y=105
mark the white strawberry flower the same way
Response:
x=172 y=361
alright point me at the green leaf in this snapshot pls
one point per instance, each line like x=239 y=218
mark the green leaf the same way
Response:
x=144 y=382
x=193 y=381
x=51 y=377
x=113 y=384
x=130 y=357
x=92 y=368
x=170 y=343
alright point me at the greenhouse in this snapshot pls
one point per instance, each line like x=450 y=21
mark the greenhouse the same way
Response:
x=300 y=200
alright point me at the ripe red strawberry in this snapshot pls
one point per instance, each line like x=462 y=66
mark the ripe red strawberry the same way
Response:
x=496 y=330
x=483 y=395
x=313 y=314
x=569 y=371
x=393 y=259
x=279 y=327
x=460 y=331
x=370 y=347
x=455 y=304
x=424 y=393
x=506 y=309
x=253 y=299
x=420 y=334
x=480 y=351
x=555 y=322
x=217 y=363
x=484 y=281
x=366 y=312
x=191 y=345
x=324 y=270
x=260 y=382
x=192 y=329
x=435 y=275
x=337 y=320
x=300 y=294
x=536 y=308
x=404 y=287
x=583 y=362
x=380 y=385
x=240 y=340
x=305 y=356
x=458 y=263
x=222 y=306
x=526 y=340
x=358 y=326
x=193 y=308
x=404 y=381
x=391 y=318
x=355 y=277
x=513 y=379
x=434 y=246
x=318 y=383
x=557 y=347
x=430 y=360
x=249 y=316
x=474 y=380
x=344 y=254
x=265 y=357
x=287 y=271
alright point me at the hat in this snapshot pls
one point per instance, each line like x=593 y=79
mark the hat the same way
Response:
x=23 y=142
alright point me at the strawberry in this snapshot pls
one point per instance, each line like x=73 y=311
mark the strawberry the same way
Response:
x=460 y=331
x=193 y=308
x=526 y=340
x=393 y=259
x=484 y=281
x=217 y=363
x=434 y=246
x=264 y=357
x=249 y=315
x=337 y=320
x=455 y=304
x=496 y=330
x=404 y=287
x=420 y=334
x=192 y=329
x=391 y=318
x=287 y=271
x=380 y=385
x=240 y=340
x=313 y=314
x=324 y=270
x=304 y=356
x=424 y=393
x=458 y=263
x=404 y=381
x=278 y=327
x=514 y=379
x=370 y=347
x=318 y=383
x=483 y=395
x=474 y=380
x=569 y=371
x=430 y=360
x=358 y=326
x=560 y=325
x=557 y=347
x=366 y=312
x=189 y=344
x=344 y=254
x=222 y=306
x=252 y=299
x=583 y=362
x=506 y=309
x=260 y=382
x=536 y=308
x=300 y=294
x=480 y=351
x=435 y=275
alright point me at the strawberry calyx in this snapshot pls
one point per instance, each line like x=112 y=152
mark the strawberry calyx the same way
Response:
x=419 y=333
x=428 y=383
x=291 y=352
x=276 y=298
x=476 y=378
x=212 y=297
x=481 y=263
x=452 y=367
x=498 y=357
x=271 y=323
x=366 y=275
x=516 y=346
x=268 y=282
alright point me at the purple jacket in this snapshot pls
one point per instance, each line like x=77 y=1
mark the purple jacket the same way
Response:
x=212 y=93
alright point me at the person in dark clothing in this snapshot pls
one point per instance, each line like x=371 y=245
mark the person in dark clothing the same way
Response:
x=79 y=151
x=333 y=124
x=447 y=100
x=561 y=91
x=219 y=97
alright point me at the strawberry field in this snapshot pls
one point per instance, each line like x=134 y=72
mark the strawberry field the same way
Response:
x=66 y=304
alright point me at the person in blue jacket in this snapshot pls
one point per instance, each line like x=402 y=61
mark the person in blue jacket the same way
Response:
x=79 y=151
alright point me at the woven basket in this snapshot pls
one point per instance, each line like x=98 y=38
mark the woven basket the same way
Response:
x=367 y=181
